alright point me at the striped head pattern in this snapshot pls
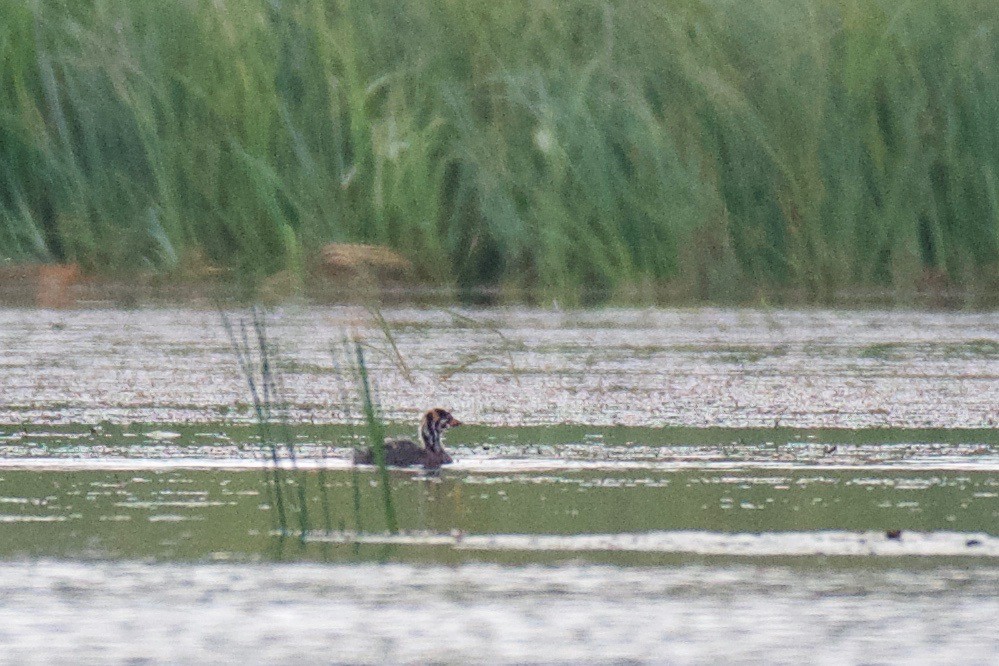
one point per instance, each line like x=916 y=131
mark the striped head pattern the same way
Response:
x=433 y=425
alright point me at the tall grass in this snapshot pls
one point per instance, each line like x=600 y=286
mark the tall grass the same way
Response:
x=356 y=394
x=711 y=146
x=376 y=436
x=255 y=357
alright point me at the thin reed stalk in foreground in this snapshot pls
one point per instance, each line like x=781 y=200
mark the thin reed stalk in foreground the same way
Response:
x=274 y=391
x=343 y=394
x=255 y=357
x=273 y=480
x=270 y=410
x=376 y=436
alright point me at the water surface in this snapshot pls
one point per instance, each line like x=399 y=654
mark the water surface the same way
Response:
x=752 y=612
x=693 y=486
x=515 y=366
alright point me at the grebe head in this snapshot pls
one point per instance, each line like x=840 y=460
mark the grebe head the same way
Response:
x=433 y=425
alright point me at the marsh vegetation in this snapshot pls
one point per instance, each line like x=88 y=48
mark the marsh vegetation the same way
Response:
x=707 y=149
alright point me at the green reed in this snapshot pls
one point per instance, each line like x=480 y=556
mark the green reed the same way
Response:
x=711 y=148
x=273 y=481
x=341 y=361
x=376 y=437
x=255 y=356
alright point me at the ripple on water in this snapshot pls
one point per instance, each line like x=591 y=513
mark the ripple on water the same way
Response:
x=765 y=544
x=694 y=367
x=571 y=613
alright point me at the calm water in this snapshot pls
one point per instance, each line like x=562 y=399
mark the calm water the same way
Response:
x=754 y=550
x=673 y=492
x=199 y=500
x=755 y=611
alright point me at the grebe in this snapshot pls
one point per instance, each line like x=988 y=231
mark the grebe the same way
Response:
x=405 y=452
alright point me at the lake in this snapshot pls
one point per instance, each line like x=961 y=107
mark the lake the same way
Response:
x=687 y=485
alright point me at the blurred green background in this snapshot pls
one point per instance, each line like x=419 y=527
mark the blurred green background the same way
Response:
x=706 y=149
